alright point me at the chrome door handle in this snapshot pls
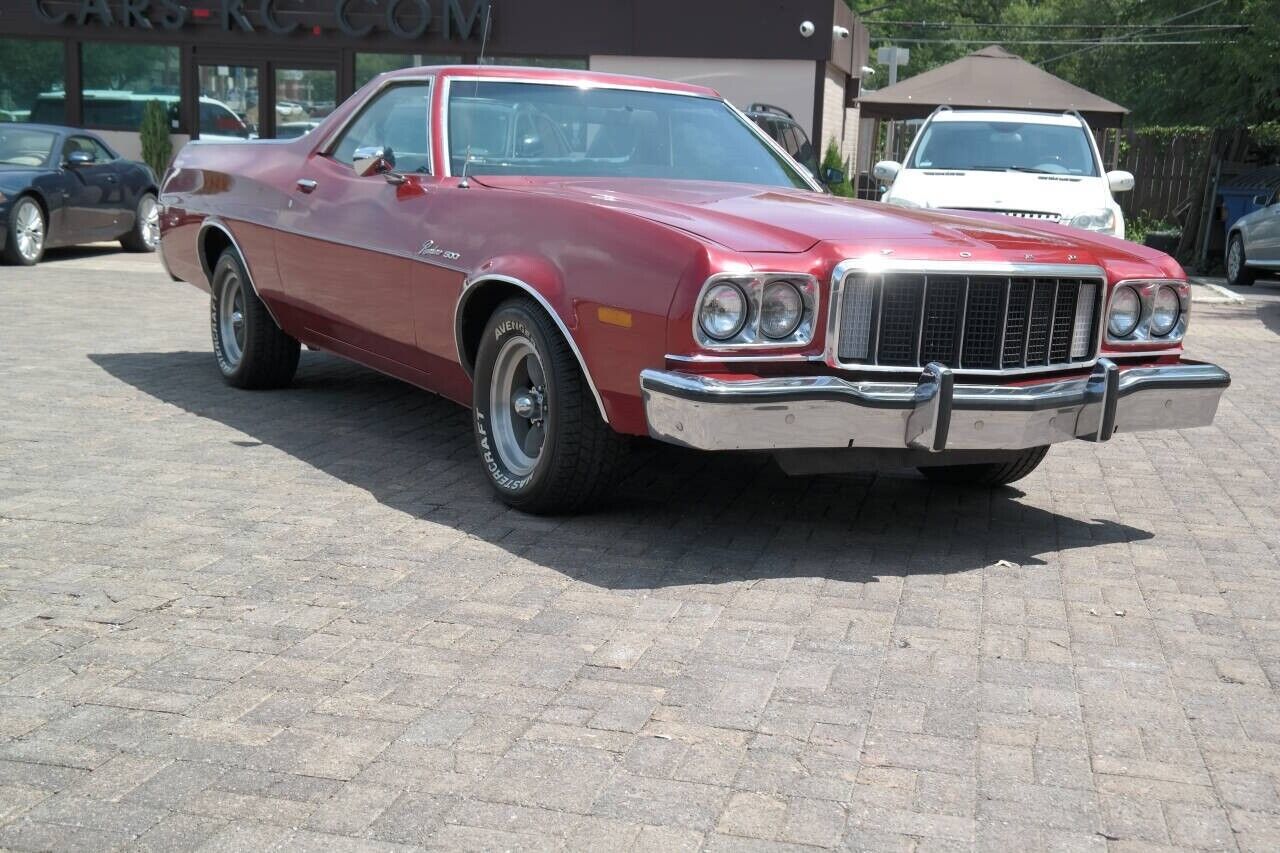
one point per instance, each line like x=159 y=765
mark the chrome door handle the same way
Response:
x=306 y=184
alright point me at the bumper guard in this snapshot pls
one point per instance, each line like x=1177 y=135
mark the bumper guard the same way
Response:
x=934 y=414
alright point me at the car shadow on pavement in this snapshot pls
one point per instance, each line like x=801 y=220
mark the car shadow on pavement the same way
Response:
x=679 y=517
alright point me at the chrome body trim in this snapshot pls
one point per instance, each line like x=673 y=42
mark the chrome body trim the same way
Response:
x=326 y=147
x=878 y=265
x=468 y=288
x=1146 y=289
x=215 y=222
x=933 y=413
x=743 y=359
x=590 y=82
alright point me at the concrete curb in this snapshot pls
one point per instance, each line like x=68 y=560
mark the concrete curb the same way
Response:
x=1213 y=293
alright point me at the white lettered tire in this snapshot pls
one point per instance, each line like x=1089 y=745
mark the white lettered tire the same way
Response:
x=543 y=445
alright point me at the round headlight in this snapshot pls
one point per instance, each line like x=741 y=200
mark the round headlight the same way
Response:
x=723 y=311
x=781 y=309
x=1165 y=309
x=1126 y=310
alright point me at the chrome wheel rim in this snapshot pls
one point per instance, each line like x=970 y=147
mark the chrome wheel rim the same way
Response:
x=231 y=319
x=29 y=230
x=149 y=214
x=518 y=405
x=1233 y=259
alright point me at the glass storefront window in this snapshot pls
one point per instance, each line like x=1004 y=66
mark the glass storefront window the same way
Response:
x=303 y=98
x=575 y=63
x=31 y=83
x=119 y=80
x=228 y=102
x=370 y=65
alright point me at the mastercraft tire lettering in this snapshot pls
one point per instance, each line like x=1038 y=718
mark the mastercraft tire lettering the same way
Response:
x=539 y=434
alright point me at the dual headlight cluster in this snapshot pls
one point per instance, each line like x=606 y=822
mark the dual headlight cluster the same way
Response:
x=1145 y=311
x=769 y=309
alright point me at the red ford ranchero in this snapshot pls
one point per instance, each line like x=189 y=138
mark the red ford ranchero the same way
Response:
x=582 y=257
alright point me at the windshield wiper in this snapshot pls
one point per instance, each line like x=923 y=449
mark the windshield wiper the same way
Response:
x=1030 y=169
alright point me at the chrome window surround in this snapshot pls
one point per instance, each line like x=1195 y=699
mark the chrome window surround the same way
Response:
x=877 y=266
x=591 y=83
x=331 y=141
x=750 y=337
x=1146 y=288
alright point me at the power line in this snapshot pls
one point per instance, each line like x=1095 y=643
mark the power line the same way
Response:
x=1090 y=42
x=959 y=24
x=1163 y=23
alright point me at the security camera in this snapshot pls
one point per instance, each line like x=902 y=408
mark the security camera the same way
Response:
x=806 y=28
x=841 y=33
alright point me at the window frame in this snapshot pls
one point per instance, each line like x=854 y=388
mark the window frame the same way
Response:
x=327 y=148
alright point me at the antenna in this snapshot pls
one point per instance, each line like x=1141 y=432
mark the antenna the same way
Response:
x=475 y=89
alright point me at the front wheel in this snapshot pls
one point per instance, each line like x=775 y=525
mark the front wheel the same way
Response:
x=145 y=234
x=540 y=436
x=1238 y=272
x=24 y=244
x=251 y=349
x=988 y=474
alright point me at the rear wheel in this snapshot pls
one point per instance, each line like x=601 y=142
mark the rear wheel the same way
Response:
x=24 y=244
x=541 y=439
x=145 y=234
x=251 y=349
x=1238 y=273
x=988 y=474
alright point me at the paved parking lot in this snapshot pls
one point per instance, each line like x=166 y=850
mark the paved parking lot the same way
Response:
x=297 y=620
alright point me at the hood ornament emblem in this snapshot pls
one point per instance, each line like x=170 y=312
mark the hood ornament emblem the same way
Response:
x=1071 y=257
x=1028 y=257
x=966 y=254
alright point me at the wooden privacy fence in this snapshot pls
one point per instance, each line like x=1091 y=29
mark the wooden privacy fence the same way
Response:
x=1166 y=169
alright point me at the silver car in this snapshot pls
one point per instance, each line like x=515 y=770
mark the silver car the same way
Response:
x=1253 y=246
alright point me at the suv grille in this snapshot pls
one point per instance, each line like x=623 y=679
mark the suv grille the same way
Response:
x=969 y=322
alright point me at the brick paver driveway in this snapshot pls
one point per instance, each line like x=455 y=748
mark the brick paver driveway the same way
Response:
x=297 y=620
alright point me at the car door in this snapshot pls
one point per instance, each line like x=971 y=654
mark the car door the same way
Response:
x=1264 y=233
x=98 y=203
x=347 y=243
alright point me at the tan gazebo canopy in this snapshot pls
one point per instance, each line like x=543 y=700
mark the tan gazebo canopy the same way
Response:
x=991 y=78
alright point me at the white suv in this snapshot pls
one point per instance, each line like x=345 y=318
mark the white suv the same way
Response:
x=1030 y=165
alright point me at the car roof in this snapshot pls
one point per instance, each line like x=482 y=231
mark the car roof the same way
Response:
x=1021 y=116
x=565 y=76
x=51 y=128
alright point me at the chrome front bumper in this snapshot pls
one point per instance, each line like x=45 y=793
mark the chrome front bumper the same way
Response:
x=933 y=414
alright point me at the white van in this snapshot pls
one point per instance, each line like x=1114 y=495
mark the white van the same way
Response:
x=1030 y=165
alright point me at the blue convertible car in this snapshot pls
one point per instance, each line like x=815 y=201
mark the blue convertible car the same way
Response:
x=60 y=186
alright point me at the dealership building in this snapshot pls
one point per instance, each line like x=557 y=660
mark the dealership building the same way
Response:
x=273 y=68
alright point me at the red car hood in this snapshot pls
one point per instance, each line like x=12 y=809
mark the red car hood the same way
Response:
x=748 y=218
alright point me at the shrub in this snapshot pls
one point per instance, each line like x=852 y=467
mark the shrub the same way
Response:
x=157 y=147
x=833 y=159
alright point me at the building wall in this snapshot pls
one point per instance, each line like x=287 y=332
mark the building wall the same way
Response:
x=129 y=145
x=786 y=83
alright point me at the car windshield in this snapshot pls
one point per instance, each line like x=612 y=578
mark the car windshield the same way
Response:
x=544 y=129
x=999 y=146
x=21 y=146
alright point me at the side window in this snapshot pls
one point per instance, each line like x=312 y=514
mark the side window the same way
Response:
x=86 y=143
x=397 y=119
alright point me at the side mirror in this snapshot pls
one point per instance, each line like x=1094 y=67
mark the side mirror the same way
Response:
x=1120 y=182
x=79 y=158
x=887 y=170
x=831 y=176
x=373 y=160
x=1261 y=200
x=529 y=145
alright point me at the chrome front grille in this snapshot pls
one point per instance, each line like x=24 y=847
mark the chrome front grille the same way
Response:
x=1020 y=214
x=967 y=321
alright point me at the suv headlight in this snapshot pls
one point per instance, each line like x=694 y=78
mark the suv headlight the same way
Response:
x=756 y=310
x=1103 y=220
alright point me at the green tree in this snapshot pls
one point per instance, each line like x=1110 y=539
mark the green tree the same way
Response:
x=157 y=147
